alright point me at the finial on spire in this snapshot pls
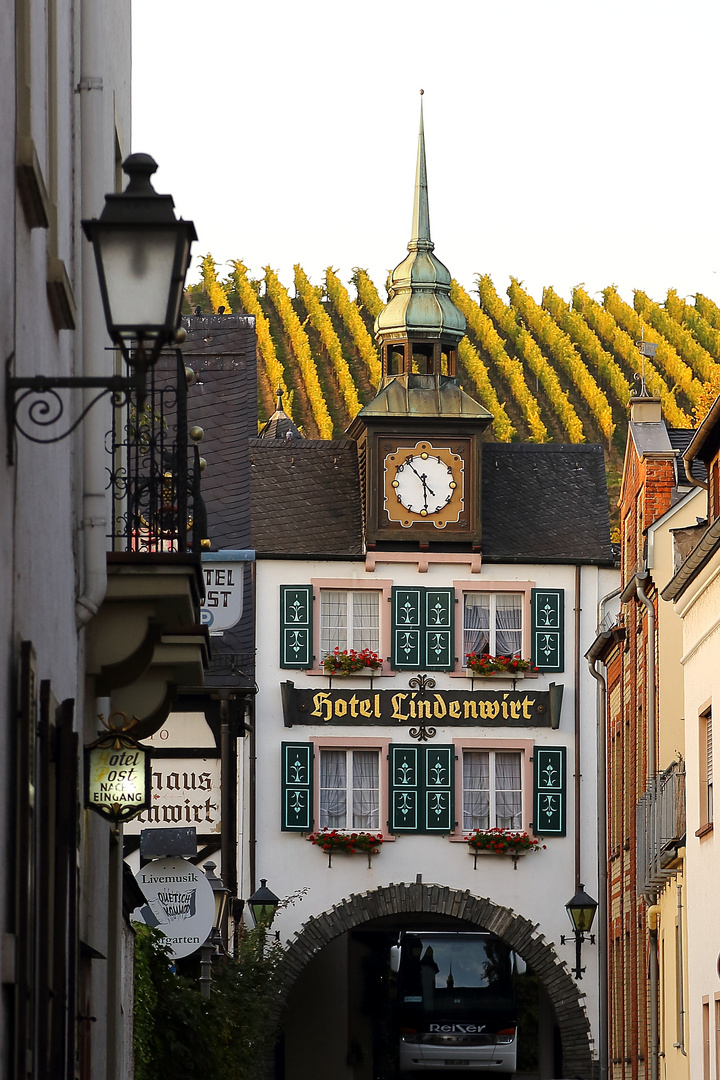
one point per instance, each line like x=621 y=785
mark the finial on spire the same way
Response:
x=280 y=394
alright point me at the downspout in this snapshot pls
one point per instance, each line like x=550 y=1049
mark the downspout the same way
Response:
x=93 y=143
x=680 y=1045
x=578 y=778
x=653 y=914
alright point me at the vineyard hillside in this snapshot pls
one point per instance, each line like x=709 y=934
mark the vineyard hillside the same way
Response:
x=553 y=371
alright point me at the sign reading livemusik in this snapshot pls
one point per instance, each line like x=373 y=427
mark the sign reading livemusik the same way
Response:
x=448 y=708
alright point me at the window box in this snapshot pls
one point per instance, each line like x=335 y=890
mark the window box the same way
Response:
x=514 y=843
x=347 y=843
x=350 y=662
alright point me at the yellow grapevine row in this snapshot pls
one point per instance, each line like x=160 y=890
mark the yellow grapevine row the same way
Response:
x=666 y=356
x=604 y=325
x=546 y=331
x=524 y=345
x=250 y=302
x=690 y=317
x=578 y=330
x=477 y=371
x=300 y=345
x=216 y=294
x=310 y=296
x=709 y=310
x=368 y=296
x=510 y=369
x=681 y=339
x=348 y=312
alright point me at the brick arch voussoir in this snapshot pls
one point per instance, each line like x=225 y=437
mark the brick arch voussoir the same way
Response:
x=520 y=933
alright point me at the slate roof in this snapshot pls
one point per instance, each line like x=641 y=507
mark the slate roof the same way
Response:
x=544 y=503
x=680 y=440
x=540 y=503
x=305 y=497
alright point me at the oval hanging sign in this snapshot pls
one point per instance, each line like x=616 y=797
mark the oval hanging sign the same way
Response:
x=180 y=903
x=117 y=776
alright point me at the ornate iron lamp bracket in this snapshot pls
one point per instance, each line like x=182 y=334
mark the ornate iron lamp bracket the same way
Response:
x=34 y=407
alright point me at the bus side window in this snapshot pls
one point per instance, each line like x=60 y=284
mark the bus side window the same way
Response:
x=394 y=958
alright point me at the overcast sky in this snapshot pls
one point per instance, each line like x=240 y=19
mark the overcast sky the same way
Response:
x=567 y=140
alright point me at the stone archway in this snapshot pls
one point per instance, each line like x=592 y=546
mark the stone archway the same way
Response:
x=517 y=931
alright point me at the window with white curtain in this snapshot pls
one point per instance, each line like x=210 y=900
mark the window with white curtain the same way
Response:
x=492 y=623
x=349 y=789
x=492 y=789
x=349 y=620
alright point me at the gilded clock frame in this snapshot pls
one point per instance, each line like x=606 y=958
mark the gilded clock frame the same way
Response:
x=451 y=513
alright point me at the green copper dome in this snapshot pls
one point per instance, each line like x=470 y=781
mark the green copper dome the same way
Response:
x=419 y=304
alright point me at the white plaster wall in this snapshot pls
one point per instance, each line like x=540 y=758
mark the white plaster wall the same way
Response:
x=543 y=881
x=700 y=607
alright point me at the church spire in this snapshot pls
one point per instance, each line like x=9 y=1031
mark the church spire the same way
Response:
x=420 y=327
x=420 y=235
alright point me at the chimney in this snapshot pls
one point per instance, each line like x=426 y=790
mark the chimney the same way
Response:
x=645 y=410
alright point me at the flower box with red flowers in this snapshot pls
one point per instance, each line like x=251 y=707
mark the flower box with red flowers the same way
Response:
x=350 y=662
x=484 y=664
x=502 y=842
x=347 y=843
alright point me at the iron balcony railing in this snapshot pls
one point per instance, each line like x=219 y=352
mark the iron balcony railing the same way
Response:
x=154 y=471
x=660 y=827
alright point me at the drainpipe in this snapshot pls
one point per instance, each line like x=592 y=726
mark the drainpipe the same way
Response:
x=681 y=981
x=653 y=914
x=94 y=141
x=578 y=776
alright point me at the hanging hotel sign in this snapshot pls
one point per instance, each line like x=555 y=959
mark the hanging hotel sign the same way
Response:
x=185 y=791
x=444 y=708
x=117 y=776
x=224 y=574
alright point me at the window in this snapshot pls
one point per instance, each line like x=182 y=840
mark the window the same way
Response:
x=492 y=789
x=706 y=769
x=349 y=789
x=492 y=623
x=349 y=620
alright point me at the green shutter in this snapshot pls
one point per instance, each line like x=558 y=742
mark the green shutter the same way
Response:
x=296 y=626
x=404 y=788
x=439 y=625
x=439 y=769
x=548 y=639
x=549 y=790
x=422 y=789
x=297 y=787
x=407 y=614
x=423 y=623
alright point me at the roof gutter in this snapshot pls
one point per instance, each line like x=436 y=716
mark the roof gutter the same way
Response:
x=694 y=563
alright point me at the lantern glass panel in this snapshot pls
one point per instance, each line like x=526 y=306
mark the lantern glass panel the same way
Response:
x=139 y=267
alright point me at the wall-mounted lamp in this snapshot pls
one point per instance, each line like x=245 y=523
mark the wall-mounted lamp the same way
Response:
x=263 y=903
x=216 y=942
x=142 y=253
x=581 y=912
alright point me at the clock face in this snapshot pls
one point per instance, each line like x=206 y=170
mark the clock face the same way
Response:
x=424 y=482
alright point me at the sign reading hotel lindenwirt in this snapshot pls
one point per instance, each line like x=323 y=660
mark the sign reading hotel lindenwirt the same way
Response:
x=451 y=708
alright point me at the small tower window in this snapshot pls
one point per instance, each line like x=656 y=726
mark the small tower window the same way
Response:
x=395 y=359
x=422 y=359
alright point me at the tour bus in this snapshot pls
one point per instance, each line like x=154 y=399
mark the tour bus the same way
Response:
x=456 y=1001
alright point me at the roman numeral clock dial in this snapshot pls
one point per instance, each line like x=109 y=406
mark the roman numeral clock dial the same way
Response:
x=424 y=483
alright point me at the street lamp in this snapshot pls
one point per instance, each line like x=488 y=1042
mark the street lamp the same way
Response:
x=142 y=253
x=215 y=941
x=581 y=912
x=263 y=903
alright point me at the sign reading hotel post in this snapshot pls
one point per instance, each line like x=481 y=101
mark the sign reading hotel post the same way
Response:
x=117 y=776
x=224 y=574
x=180 y=903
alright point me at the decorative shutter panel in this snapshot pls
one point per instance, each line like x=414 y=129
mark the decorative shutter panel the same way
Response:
x=296 y=626
x=404 y=788
x=439 y=770
x=439 y=625
x=550 y=790
x=548 y=639
x=297 y=787
x=407 y=609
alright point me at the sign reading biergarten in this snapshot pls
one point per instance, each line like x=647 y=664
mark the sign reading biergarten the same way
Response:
x=452 y=708
x=180 y=903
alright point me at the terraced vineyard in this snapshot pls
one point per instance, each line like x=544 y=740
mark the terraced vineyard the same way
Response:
x=554 y=371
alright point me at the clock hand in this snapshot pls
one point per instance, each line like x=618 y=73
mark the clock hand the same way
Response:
x=421 y=477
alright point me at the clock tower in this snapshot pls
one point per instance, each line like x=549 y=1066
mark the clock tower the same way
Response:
x=419 y=439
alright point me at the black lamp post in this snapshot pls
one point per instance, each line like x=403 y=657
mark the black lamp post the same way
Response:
x=142 y=253
x=215 y=941
x=263 y=903
x=581 y=912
